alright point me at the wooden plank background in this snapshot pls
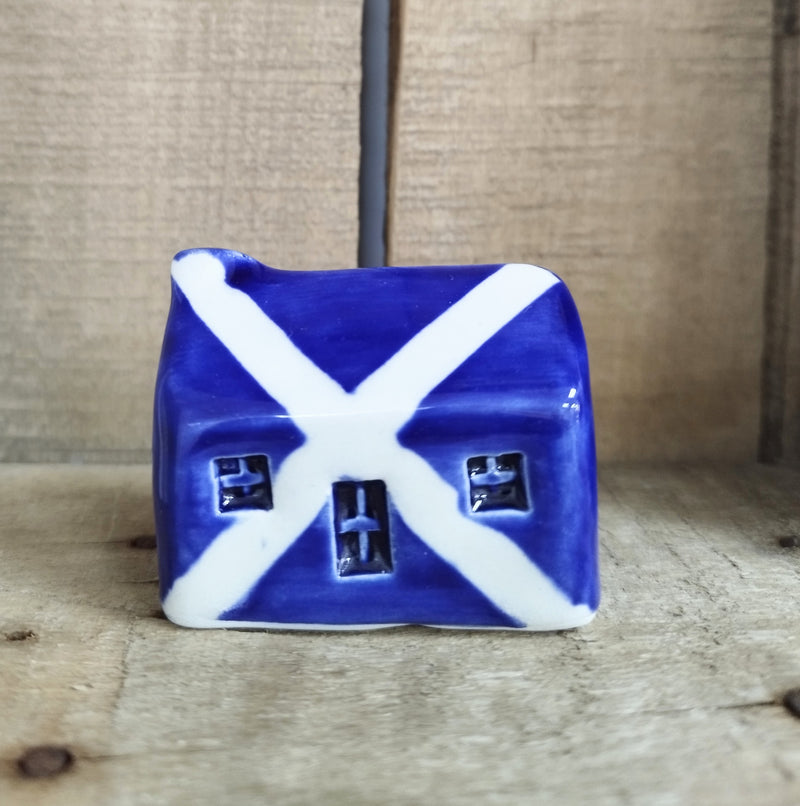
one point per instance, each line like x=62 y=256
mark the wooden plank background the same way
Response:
x=669 y=697
x=622 y=144
x=131 y=131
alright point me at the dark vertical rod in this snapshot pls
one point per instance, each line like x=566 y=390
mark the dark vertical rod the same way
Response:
x=396 y=28
x=781 y=236
x=372 y=193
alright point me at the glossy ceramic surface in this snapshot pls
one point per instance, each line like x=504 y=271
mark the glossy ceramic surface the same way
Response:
x=371 y=447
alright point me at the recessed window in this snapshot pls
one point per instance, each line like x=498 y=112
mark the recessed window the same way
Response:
x=361 y=524
x=496 y=482
x=243 y=482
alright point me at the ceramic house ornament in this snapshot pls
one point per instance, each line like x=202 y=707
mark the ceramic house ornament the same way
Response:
x=372 y=447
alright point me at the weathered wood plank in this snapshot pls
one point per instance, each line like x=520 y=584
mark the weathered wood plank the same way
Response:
x=624 y=145
x=130 y=132
x=670 y=696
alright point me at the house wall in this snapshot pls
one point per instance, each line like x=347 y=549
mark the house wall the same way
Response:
x=622 y=144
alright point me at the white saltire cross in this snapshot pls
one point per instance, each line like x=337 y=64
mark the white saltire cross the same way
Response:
x=354 y=435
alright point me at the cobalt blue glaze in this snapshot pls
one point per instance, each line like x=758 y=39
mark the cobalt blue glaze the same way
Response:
x=370 y=447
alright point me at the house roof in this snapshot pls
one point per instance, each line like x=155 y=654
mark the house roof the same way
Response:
x=350 y=322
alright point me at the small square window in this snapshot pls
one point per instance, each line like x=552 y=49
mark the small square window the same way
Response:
x=243 y=482
x=496 y=482
x=361 y=523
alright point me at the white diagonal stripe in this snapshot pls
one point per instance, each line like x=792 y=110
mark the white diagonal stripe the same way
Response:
x=240 y=555
x=495 y=565
x=354 y=435
x=256 y=342
x=450 y=339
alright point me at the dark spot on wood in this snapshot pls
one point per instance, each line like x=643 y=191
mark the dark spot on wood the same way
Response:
x=45 y=761
x=21 y=635
x=791 y=701
x=143 y=542
x=789 y=541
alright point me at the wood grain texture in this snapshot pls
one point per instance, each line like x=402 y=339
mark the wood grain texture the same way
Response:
x=780 y=408
x=623 y=145
x=130 y=131
x=672 y=695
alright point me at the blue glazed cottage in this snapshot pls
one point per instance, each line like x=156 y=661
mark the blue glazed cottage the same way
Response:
x=372 y=447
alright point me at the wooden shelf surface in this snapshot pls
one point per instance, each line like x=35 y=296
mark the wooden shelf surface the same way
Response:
x=672 y=695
